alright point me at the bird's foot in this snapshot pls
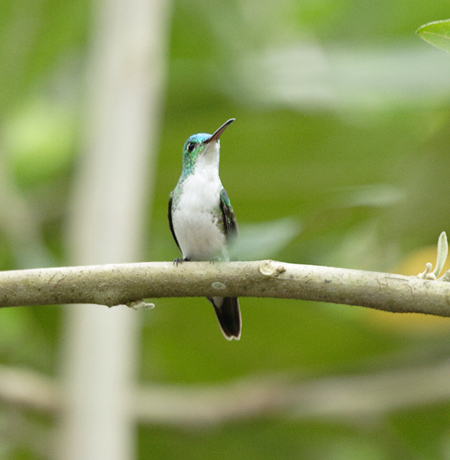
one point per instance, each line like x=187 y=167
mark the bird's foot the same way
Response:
x=216 y=259
x=180 y=260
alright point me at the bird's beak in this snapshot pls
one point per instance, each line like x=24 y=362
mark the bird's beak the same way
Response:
x=218 y=132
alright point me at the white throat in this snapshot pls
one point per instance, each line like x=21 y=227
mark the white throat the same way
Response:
x=208 y=160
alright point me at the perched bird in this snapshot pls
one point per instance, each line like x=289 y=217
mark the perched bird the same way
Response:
x=202 y=219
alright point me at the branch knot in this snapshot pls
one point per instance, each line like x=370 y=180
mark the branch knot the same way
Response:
x=271 y=268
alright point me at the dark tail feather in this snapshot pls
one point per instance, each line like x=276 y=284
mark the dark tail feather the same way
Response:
x=229 y=316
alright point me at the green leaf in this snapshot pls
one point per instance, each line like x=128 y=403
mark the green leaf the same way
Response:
x=442 y=252
x=436 y=33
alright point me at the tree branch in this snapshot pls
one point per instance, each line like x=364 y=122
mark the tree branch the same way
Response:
x=126 y=283
x=350 y=398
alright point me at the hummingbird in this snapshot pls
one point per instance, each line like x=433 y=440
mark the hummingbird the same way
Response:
x=201 y=217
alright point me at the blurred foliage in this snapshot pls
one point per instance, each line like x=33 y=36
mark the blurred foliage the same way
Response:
x=339 y=156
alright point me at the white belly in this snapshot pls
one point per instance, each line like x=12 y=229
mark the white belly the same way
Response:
x=196 y=226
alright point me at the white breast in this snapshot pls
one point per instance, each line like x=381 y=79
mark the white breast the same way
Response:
x=195 y=224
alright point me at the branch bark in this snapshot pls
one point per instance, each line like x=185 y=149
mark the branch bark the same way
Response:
x=125 y=283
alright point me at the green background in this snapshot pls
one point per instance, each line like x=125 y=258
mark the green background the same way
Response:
x=338 y=156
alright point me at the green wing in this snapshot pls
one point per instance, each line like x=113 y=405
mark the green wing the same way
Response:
x=229 y=219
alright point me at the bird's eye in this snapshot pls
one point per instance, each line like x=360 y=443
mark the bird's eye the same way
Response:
x=190 y=146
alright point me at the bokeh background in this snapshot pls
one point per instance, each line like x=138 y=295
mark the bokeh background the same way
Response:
x=338 y=156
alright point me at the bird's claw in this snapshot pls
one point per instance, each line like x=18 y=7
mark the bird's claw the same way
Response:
x=180 y=260
x=216 y=259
